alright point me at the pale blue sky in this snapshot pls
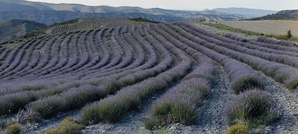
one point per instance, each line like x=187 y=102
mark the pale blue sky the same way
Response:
x=188 y=4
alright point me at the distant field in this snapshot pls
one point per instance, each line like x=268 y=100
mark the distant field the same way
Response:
x=276 y=27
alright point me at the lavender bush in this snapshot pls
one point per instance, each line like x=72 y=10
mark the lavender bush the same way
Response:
x=253 y=107
x=179 y=105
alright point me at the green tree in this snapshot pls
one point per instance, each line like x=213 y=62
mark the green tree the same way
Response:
x=289 y=34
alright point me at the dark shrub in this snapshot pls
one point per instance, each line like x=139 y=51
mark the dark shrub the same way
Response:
x=88 y=115
x=152 y=123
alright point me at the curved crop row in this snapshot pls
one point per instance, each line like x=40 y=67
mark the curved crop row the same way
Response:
x=114 y=108
x=181 y=103
x=221 y=41
x=275 y=42
x=44 y=106
x=280 y=72
x=88 y=23
x=241 y=76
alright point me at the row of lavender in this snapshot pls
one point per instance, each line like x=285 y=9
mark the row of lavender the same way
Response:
x=259 y=107
x=113 y=108
x=288 y=58
x=75 y=94
x=88 y=24
x=164 y=110
x=58 y=54
x=56 y=58
x=182 y=103
x=98 y=112
x=281 y=72
x=241 y=76
x=60 y=96
x=31 y=96
x=106 y=63
x=113 y=84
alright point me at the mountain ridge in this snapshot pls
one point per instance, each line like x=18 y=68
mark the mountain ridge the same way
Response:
x=281 y=15
x=246 y=12
x=47 y=10
x=11 y=29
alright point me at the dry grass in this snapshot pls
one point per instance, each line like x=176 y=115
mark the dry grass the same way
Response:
x=274 y=27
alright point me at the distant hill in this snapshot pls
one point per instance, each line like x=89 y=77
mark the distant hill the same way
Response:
x=246 y=12
x=54 y=13
x=50 y=17
x=281 y=15
x=11 y=29
x=21 y=5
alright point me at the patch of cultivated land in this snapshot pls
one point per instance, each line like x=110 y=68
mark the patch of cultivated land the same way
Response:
x=119 y=76
x=275 y=27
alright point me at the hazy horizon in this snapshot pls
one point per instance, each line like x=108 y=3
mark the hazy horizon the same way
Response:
x=187 y=4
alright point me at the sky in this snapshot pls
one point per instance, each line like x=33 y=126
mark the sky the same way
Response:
x=188 y=4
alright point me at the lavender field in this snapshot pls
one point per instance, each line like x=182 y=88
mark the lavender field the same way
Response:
x=122 y=76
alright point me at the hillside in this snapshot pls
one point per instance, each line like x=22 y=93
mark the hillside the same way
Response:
x=54 y=13
x=21 y=5
x=12 y=29
x=122 y=76
x=245 y=12
x=281 y=15
x=52 y=17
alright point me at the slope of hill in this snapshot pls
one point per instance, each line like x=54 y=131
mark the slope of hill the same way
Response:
x=246 y=12
x=281 y=15
x=268 y=27
x=55 y=13
x=110 y=73
x=12 y=29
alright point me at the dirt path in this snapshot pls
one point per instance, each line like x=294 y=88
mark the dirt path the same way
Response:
x=213 y=119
